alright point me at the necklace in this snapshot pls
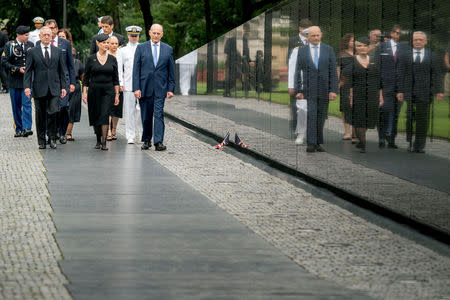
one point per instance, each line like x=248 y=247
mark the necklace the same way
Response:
x=363 y=61
x=102 y=58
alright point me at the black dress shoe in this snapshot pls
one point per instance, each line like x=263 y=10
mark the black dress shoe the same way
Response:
x=381 y=144
x=53 y=144
x=42 y=146
x=160 y=147
x=392 y=146
x=63 y=140
x=319 y=148
x=27 y=133
x=97 y=146
x=18 y=134
x=311 y=148
x=146 y=146
x=104 y=148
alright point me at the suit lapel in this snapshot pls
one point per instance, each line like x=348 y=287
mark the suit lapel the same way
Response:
x=53 y=57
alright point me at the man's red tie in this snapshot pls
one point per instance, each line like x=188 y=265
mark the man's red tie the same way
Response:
x=53 y=42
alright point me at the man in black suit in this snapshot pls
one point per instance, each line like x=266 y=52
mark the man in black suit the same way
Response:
x=107 y=26
x=389 y=53
x=45 y=73
x=419 y=80
x=3 y=42
x=319 y=84
x=62 y=118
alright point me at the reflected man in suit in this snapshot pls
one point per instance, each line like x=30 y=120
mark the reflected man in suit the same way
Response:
x=153 y=82
x=420 y=79
x=388 y=53
x=45 y=73
x=231 y=59
x=319 y=84
x=295 y=43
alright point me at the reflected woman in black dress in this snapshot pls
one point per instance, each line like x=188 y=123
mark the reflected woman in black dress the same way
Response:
x=365 y=92
x=345 y=58
x=102 y=79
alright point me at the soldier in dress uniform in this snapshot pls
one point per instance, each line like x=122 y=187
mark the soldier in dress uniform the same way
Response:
x=13 y=60
x=34 y=35
x=125 y=58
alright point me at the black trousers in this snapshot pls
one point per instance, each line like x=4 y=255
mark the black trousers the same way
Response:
x=418 y=112
x=3 y=77
x=62 y=120
x=46 y=109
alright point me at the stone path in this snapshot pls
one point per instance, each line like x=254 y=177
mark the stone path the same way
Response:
x=332 y=244
x=350 y=172
x=29 y=254
x=327 y=240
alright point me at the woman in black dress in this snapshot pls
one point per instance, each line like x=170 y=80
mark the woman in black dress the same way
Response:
x=75 y=97
x=345 y=58
x=365 y=92
x=102 y=78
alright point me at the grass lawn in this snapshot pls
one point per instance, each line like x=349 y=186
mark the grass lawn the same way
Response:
x=441 y=109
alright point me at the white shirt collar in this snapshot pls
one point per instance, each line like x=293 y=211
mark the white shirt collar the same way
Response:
x=393 y=43
x=311 y=46
x=158 y=43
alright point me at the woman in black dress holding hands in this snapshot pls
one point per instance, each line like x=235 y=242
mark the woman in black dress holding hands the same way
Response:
x=101 y=76
x=365 y=92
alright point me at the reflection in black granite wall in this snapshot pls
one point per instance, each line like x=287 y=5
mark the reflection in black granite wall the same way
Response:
x=242 y=86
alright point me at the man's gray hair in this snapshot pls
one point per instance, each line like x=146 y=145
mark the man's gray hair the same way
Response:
x=157 y=25
x=45 y=28
x=422 y=33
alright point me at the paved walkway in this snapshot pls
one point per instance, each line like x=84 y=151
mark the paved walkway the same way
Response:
x=414 y=185
x=190 y=223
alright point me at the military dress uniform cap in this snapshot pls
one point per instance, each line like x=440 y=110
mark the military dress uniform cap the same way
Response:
x=38 y=20
x=133 y=30
x=22 y=29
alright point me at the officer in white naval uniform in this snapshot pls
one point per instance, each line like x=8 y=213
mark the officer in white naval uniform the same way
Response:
x=125 y=57
x=34 y=35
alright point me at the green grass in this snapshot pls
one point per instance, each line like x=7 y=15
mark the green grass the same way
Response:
x=441 y=109
x=440 y=122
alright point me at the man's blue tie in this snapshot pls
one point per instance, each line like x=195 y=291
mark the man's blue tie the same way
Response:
x=155 y=54
x=316 y=57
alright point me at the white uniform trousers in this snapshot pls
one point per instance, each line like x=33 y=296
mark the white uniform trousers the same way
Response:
x=133 y=121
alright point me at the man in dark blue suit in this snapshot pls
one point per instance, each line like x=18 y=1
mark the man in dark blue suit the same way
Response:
x=66 y=48
x=153 y=82
x=318 y=84
x=389 y=53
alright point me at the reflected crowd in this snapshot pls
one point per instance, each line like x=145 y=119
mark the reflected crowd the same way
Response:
x=373 y=77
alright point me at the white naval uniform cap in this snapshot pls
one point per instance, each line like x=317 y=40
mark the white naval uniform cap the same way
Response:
x=133 y=30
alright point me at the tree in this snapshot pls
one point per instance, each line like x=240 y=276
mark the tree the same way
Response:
x=147 y=15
